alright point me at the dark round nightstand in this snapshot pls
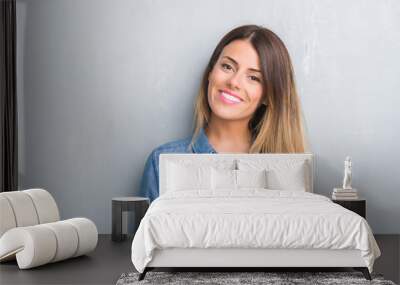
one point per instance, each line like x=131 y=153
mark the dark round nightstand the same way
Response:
x=358 y=206
x=138 y=205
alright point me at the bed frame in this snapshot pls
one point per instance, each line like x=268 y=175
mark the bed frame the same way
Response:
x=247 y=259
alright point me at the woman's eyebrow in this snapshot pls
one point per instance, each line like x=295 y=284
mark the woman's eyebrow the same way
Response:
x=235 y=62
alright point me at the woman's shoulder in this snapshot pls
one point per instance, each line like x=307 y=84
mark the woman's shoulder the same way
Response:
x=176 y=146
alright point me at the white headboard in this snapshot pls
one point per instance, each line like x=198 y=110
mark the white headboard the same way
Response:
x=205 y=159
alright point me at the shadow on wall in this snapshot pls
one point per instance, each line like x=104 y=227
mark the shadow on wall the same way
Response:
x=325 y=174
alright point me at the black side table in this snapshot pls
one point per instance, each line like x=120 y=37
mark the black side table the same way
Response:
x=358 y=206
x=138 y=205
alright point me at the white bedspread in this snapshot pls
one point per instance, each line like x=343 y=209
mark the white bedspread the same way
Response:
x=251 y=218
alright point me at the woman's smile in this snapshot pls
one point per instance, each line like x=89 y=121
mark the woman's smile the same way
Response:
x=229 y=99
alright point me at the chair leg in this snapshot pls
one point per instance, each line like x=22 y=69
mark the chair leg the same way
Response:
x=143 y=274
x=364 y=271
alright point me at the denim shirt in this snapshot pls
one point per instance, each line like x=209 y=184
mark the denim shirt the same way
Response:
x=149 y=184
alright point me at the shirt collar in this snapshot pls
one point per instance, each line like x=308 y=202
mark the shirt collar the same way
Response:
x=201 y=145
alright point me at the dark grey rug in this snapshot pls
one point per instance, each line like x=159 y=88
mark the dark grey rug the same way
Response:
x=229 y=278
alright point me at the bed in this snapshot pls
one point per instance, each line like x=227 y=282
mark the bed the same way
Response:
x=245 y=211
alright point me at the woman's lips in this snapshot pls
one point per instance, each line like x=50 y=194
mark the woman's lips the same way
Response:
x=228 y=99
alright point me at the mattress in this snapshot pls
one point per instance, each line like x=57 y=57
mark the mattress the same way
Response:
x=250 y=219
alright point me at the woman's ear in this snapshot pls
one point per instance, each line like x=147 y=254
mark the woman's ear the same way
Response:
x=263 y=100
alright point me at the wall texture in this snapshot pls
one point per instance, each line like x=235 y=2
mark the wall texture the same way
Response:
x=101 y=83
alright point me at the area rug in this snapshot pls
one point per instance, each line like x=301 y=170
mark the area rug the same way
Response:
x=273 y=278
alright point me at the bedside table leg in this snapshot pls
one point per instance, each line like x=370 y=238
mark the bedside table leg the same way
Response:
x=140 y=211
x=116 y=222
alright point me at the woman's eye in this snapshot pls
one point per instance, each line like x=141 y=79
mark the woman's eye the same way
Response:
x=255 y=78
x=226 y=66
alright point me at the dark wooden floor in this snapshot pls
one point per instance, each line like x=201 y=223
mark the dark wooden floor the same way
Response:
x=110 y=260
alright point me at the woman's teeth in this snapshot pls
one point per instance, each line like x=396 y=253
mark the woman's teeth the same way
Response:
x=230 y=98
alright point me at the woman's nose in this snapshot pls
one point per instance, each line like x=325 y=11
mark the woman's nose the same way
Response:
x=234 y=81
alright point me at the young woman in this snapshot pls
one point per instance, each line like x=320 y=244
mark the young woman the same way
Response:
x=247 y=103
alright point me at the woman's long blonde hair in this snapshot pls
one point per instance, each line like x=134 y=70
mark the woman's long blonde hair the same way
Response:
x=276 y=126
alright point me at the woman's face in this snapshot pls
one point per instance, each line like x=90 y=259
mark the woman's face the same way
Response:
x=235 y=82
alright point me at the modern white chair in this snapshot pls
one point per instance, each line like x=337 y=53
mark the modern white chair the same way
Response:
x=32 y=233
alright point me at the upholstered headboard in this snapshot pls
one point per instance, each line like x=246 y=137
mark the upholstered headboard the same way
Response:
x=238 y=161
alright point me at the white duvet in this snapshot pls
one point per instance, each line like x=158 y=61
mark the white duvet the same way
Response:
x=251 y=218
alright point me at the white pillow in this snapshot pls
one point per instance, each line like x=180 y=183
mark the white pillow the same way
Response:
x=228 y=179
x=292 y=178
x=281 y=174
x=223 y=179
x=251 y=178
x=187 y=177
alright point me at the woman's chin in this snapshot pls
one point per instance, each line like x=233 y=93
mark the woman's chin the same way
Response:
x=228 y=115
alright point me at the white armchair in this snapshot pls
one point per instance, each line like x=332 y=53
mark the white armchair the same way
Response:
x=31 y=230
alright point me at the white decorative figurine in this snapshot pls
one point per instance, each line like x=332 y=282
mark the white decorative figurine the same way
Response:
x=346 y=192
x=347 y=173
